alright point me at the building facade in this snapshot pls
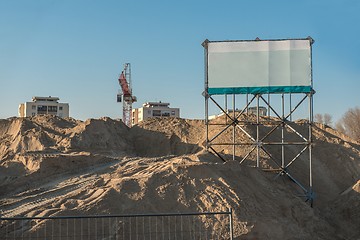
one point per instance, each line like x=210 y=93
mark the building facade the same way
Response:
x=262 y=111
x=153 y=109
x=44 y=105
x=250 y=110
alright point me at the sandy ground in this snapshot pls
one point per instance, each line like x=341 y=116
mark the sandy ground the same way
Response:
x=51 y=166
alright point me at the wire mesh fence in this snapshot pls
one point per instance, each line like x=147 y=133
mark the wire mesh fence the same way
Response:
x=178 y=226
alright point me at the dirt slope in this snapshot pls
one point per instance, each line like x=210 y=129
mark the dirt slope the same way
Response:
x=52 y=166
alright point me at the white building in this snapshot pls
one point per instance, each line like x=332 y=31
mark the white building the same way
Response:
x=153 y=109
x=44 y=105
x=253 y=110
x=250 y=110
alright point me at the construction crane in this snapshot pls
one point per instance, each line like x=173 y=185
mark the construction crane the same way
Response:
x=126 y=96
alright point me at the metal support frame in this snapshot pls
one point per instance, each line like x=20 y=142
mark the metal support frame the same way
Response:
x=261 y=141
x=266 y=137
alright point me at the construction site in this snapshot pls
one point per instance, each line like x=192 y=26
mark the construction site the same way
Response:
x=255 y=170
x=132 y=116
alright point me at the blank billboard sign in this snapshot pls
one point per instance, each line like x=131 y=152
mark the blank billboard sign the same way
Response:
x=264 y=66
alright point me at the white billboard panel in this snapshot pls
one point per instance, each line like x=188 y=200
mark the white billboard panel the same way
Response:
x=271 y=66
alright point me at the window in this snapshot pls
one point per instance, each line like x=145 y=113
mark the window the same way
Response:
x=41 y=109
x=33 y=107
x=33 y=114
x=52 y=108
x=172 y=112
x=60 y=108
x=165 y=114
x=156 y=113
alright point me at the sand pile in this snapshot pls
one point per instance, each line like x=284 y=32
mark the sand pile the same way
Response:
x=51 y=166
x=174 y=136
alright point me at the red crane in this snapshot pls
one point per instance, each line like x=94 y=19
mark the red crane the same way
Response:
x=126 y=96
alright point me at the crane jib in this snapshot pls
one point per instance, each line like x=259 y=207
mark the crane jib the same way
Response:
x=124 y=84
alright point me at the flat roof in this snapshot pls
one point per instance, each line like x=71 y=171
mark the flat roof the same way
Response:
x=149 y=104
x=50 y=98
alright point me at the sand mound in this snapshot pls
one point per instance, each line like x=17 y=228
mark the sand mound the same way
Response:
x=53 y=166
x=99 y=135
x=175 y=136
x=346 y=209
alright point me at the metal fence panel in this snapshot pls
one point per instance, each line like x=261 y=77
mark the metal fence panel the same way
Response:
x=178 y=226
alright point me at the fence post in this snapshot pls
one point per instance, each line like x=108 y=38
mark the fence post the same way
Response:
x=231 y=224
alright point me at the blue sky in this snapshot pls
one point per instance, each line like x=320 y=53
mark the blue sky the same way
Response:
x=76 y=49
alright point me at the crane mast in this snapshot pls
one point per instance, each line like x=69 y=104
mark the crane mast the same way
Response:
x=126 y=95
